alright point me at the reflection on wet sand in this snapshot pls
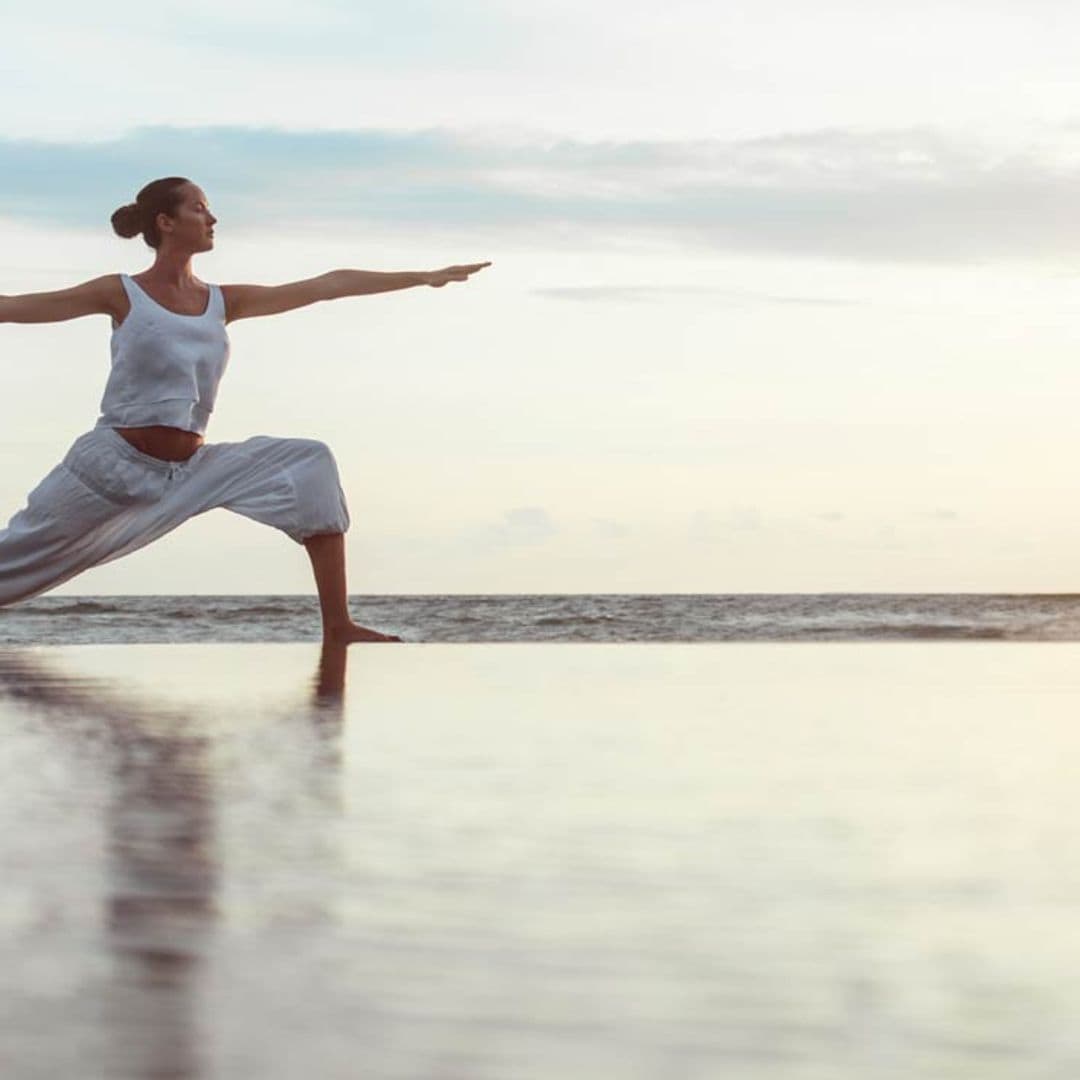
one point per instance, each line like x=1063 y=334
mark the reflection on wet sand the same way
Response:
x=693 y=861
x=164 y=867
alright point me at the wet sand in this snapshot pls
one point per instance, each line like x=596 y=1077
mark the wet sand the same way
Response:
x=540 y=861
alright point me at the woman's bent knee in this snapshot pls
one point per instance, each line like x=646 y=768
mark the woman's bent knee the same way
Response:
x=320 y=501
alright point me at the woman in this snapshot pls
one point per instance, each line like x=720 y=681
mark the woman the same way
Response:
x=144 y=467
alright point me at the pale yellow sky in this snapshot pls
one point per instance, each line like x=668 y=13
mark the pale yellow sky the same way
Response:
x=799 y=338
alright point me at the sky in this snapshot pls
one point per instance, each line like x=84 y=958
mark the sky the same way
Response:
x=783 y=296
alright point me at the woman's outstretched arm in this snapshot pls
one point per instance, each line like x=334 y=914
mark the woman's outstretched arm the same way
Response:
x=253 y=301
x=97 y=297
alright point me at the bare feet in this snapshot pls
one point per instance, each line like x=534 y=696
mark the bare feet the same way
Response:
x=345 y=635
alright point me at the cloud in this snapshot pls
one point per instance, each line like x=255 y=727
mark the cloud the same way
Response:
x=712 y=525
x=520 y=526
x=407 y=34
x=609 y=529
x=900 y=195
x=648 y=293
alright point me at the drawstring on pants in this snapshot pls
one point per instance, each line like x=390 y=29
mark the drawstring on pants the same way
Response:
x=178 y=473
x=176 y=468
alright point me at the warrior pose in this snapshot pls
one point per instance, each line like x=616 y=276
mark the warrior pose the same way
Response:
x=144 y=468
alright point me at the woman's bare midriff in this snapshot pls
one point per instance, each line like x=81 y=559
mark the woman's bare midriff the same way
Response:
x=167 y=443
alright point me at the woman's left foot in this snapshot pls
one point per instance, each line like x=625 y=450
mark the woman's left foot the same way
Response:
x=353 y=632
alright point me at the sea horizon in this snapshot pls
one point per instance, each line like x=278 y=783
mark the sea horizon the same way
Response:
x=595 y=617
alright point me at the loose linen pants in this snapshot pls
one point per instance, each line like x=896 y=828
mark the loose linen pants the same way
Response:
x=106 y=499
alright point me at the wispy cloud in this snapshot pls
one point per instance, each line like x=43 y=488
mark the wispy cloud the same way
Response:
x=406 y=34
x=519 y=526
x=635 y=294
x=610 y=529
x=914 y=194
x=711 y=525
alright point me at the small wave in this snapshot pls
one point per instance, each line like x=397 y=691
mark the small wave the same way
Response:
x=241 y=612
x=230 y=617
x=215 y=613
x=880 y=631
x=573 y=620
x=79 y=607
x=954 y=632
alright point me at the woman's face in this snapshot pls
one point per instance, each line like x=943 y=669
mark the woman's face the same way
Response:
x=193 y=224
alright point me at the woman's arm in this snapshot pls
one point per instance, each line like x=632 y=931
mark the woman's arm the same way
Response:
x=252 y=301
x=362 y=282
x=97 y=297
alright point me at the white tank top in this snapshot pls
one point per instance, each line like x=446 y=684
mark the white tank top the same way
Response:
x=165 y=367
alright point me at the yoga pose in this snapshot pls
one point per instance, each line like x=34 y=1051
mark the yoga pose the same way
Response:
x=144 y=468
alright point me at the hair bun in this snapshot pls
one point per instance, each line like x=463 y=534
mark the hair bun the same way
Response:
x=127 y=221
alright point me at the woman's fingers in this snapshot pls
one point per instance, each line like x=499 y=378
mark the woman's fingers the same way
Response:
x=456 y=273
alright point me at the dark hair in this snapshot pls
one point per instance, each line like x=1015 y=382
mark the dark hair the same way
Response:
x=158 y=197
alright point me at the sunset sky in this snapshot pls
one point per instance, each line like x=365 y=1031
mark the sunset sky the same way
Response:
x=785 y=297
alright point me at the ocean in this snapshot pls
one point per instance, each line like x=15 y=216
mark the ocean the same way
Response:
x=595 y=617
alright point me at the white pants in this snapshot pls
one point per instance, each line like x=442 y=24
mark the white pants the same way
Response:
x=106 y=499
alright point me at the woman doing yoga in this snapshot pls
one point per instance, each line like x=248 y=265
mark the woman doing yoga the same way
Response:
x=144 y=468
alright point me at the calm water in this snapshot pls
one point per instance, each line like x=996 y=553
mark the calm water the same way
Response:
x=762 y=861
x=578 y=617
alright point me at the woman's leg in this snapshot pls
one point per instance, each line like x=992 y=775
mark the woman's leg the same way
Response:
x=327 y=551
x=68 y=527
x=64 y=529
x=293 y=485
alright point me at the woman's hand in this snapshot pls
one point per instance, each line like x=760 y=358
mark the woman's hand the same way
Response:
x=438 y=278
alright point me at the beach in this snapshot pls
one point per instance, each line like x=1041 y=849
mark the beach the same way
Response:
x=527 y=860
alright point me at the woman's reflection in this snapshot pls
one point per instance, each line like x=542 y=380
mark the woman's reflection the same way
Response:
x=164 y=865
